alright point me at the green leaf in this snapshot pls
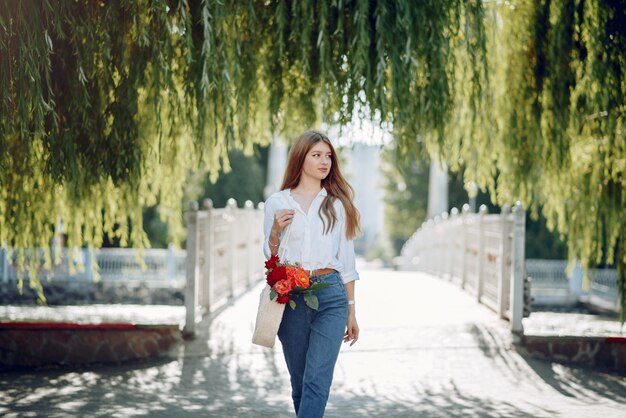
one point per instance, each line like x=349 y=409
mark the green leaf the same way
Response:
x=273 y=294
x=132 y=126
x=48 y=40
x=311 y=301
x=292 y=304
x=318 y=286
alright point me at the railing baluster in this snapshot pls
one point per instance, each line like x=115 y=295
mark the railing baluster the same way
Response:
x=232 y=248
x=464 y=219
x=191 y=289
x=250 y=231
x=503 y=279
x=480 y=265
x=209 y=264
x=517 y=277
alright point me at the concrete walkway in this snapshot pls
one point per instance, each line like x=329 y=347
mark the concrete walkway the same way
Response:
x=426 y=350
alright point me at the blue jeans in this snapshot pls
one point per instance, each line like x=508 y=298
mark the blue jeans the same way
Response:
x=311 y=340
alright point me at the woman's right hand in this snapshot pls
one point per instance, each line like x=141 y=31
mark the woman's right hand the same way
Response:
x=282 y=218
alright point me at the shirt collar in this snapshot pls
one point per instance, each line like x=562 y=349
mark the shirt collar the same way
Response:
x=322 y=192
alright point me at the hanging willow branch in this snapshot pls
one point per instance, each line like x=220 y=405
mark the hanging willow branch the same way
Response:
x=105 y=105
x=554 y=136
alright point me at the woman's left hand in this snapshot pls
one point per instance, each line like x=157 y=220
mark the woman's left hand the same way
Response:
x=352 y=329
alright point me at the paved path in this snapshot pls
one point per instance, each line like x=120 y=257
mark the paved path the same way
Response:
x=426 y=350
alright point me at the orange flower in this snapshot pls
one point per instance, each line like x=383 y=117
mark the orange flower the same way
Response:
x=298 y=276
x=302 y=278
x=284 y=286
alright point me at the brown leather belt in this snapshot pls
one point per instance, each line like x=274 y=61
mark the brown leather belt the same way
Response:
x=320 y=272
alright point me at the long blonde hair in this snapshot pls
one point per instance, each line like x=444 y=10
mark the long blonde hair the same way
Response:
x=335 y=184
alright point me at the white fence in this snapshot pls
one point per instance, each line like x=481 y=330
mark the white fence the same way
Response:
x=152 y=267
x=224 y=255
x=483 y=253
x=552 y=286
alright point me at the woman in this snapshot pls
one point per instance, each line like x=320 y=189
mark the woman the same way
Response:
x=316 y=201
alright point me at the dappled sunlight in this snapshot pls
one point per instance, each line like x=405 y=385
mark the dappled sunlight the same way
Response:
x=574 y=382
x=156 y=380
x=443 y=402
x=93 y=391
x=427 y=351
x=189 y=387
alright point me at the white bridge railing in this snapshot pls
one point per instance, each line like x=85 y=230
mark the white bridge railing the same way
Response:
x=483 y=253
x=224 y=255
x=150 y=267
x=553 y=286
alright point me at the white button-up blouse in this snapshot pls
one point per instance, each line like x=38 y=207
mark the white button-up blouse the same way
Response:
x=307 y=243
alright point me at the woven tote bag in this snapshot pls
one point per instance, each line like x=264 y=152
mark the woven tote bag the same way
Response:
x=270 y=312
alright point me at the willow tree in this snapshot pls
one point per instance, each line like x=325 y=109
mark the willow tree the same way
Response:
x=550 y=130
x=105 y=105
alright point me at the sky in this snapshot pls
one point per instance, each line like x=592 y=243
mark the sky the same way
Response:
x=359 y=130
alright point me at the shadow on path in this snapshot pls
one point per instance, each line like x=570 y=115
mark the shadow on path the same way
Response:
x=574 y=382
x=427 y=404
x=440 y=356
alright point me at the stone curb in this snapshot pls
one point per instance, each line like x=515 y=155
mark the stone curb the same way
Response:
x=604 y=352
x=38 y=344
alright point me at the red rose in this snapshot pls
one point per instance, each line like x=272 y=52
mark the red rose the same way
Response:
x=284 y=286
x=277 y=274
x=283 y=299
x=271 y=263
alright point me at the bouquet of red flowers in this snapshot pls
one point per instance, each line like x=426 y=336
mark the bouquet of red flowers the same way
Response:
x=287 y=280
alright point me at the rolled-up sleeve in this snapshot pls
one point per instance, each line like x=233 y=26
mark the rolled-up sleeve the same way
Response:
x=345 y=255
x=267 y=226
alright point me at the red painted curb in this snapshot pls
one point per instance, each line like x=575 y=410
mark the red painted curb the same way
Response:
x=66 y=326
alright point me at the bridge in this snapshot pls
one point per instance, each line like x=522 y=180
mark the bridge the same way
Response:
x=428 y=348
